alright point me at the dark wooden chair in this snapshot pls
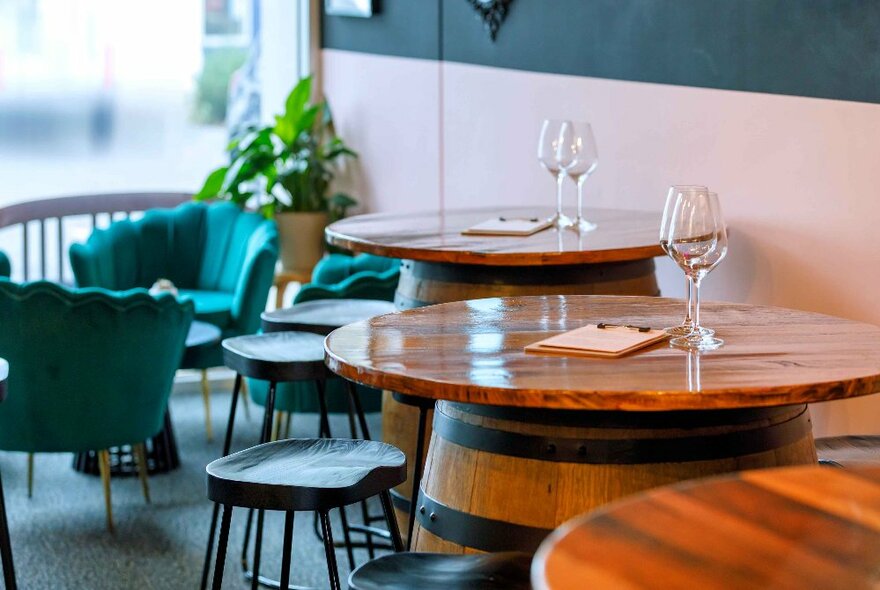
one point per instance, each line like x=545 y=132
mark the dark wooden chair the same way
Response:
x=294 y=475
x=442 y=571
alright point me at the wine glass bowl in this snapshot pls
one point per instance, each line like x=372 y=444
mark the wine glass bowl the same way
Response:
x=687 y=325
x=697 y=242
x=549 y=157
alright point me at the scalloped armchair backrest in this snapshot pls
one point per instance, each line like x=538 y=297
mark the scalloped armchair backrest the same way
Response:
x=196 y=246
x=89 y=368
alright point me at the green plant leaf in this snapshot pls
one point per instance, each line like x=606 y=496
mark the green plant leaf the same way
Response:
x=297 y=100
x=212 y=185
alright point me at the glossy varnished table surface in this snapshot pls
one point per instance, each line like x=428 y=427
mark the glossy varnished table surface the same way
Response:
x=436 y=237
x=472 y=351
x=799 y=527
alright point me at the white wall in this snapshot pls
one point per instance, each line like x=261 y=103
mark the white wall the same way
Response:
x=798 y=177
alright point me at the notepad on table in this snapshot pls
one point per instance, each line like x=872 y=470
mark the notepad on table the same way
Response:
x=608 y=342
x=508 y=226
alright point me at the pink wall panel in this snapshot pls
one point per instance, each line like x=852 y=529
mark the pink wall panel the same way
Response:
x=387 y=109
x=799 y=178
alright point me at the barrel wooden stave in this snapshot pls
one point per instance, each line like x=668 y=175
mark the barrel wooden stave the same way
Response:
x=541 y=495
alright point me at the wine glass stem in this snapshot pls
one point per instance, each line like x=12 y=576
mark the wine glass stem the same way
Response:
x=696 y=281
x=689 y=287
x=559 y=179
x=581 y=181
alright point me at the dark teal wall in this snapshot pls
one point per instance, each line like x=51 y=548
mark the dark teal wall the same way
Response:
x=817 y=48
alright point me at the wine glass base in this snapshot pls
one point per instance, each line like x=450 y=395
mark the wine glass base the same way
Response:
x=696 y=342
x=561 y=221
x=688 y=330
x=582 y=225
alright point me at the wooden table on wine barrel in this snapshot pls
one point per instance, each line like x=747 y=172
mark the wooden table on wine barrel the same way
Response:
x=797 y=527
x=441 y=265
x=523 y=443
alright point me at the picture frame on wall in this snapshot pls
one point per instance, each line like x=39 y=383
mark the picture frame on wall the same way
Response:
x=358 y=8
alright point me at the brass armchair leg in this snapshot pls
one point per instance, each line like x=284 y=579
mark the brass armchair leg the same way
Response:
x=245 y=399
x=104 y=468
x=30 y=475
x=206 y=397
x=140 y=452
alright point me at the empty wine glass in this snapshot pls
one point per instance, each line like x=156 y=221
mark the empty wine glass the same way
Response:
x=577 y=148
x=697 y=241
x=548 y=156
x=687 y=326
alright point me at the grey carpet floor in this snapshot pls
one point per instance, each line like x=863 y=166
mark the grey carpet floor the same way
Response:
x=60 y=540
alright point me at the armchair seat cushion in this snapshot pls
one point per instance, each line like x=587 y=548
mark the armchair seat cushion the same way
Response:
x=214 y=307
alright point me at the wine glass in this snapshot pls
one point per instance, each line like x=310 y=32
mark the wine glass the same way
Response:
x=687 y=326
x=578 y=148
x=548 y=156
x=697 y=241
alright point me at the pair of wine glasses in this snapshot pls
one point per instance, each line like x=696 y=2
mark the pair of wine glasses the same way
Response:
x=567 y=148
x=693 y=234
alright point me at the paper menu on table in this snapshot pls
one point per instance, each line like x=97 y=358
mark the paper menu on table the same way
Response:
x=508 y=226
x=609 y=342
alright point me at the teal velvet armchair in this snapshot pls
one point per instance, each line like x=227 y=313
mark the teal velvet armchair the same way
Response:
x=93 y=369
x=337 y=276
x=217 y=255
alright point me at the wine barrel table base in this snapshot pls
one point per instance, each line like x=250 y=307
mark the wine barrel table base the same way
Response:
x=564 y=463
x=426 y=283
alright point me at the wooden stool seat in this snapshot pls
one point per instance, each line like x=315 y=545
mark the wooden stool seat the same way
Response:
x=305 y=474
x=441 y=571
x=281 y=356
x=849 y=451
x=324 y=315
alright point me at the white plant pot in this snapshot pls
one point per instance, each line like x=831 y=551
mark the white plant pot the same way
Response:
x=301 y=240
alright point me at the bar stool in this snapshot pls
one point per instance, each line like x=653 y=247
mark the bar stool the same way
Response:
x=277 y=357
x=322 y=316
x=442 y=571
x=294 y=475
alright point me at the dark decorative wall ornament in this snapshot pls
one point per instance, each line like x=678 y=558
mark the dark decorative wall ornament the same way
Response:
x=492 y=13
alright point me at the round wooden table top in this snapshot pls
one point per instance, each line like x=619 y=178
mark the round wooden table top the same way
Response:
x=436 y=237
x=472 y=351
x=795 y=527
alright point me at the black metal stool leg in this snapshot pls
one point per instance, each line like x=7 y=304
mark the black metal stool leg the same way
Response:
x=221 y=547
x=284 y=581
x=346 y=536
x=6 y=545
x=227 y=443
x=391 y=519
x=417 y=475
x=359 y=409
x=322 y=404
x=265 y=433
x=332 y=570
x=258 y=545
x=325 y=421
x=365 y=512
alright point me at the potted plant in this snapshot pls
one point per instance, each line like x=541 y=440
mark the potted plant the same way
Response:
x=285 y=170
